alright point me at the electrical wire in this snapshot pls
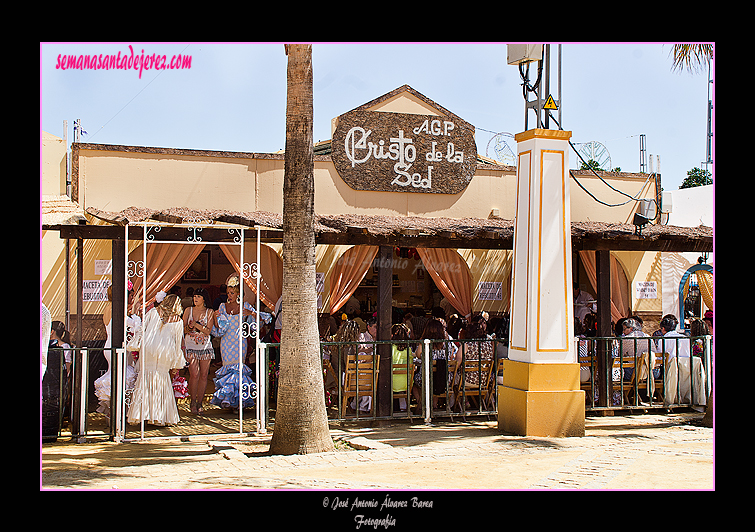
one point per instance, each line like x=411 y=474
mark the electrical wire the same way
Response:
x=631 y=198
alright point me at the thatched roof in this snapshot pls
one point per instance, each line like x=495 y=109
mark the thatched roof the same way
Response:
x=60 y=210
x=419 y=231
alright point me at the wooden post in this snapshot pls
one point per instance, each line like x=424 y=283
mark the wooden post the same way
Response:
x=603 y=269
x=385 y=313
x=78 y=377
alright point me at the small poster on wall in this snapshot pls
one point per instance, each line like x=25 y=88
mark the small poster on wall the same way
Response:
x=646 y=290
x=490 y=291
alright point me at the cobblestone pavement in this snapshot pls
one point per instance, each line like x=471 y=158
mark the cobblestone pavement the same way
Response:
x=667 y=452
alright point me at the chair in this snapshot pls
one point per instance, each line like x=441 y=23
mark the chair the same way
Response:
x=626 y=386
x=405 y=370
x=446 y=386
x=587 y=371
x=481 y=390
x=657 y=362
x=360 y=379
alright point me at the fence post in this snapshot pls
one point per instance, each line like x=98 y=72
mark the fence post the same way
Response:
x=262 y=375
x=427 y=387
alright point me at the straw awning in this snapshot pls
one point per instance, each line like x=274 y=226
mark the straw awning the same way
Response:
x=61 y=210
x=416 y=231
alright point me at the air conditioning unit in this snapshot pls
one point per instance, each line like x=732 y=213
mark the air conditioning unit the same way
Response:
x=648 y=209
x=524 y=53
x=667 y=203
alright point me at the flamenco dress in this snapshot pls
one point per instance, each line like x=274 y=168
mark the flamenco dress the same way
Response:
x=228 y=388
x=153 y=398
x=102 y=384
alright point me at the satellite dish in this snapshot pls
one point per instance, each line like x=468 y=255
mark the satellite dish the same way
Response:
x=597 y=152
x=499 y=149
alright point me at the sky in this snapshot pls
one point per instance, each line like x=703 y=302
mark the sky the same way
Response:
x=233 y=95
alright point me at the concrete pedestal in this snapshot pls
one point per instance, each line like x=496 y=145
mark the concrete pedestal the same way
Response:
x=541 y=400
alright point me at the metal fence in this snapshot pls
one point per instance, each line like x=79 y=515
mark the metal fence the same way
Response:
x=429 y=380
x=645 y=372
x=445 y=378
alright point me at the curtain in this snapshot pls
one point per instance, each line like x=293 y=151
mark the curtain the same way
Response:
x=166 y=263
x=271 y=270
x=705 y=284
x=348 y=272
x=451 y=275
x=618 y=307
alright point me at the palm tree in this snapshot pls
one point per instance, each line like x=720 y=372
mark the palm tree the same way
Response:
x=691 y=56
x=301 y=422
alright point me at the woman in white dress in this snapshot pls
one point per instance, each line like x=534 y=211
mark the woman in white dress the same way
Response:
x=160 y=356
x=102 y=384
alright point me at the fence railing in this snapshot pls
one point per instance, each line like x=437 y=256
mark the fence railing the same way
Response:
x=427 y=379
x=68 y=391
x=645 y=371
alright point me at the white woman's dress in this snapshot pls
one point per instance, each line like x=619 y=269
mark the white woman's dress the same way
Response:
x=102 y=385
x=153 y=398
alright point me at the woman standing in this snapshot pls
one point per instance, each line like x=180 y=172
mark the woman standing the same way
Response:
x=228 y=323
x=161 y=357
x=198 y=321
x=59 y=337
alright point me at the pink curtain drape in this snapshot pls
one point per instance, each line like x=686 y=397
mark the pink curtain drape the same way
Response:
x=618 y=307
x=271 y=270
x=348 y=272
x=166 y=263
x=451 y=275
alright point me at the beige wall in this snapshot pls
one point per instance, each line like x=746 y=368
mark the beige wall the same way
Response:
x=116 y=180
x=53 y=169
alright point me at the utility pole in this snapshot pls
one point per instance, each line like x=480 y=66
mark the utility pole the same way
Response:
x=708 y=143
x=522 y=55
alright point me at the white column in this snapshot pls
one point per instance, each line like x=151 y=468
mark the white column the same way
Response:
x=542 y=317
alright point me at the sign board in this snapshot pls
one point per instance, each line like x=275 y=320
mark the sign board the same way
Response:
x=95 y=290
x=103 y=267
x=646 y=290
x=550 y=104
x=399 y=152
x=490 y=291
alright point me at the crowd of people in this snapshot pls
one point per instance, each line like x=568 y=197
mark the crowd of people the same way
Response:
x=446 y=333
x=173 y=334
x=668 y=350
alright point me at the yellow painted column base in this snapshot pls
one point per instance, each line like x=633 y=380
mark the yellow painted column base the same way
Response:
x=541 y=400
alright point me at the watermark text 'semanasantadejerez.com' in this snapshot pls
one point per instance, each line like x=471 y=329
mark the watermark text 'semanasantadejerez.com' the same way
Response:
x=123 y=61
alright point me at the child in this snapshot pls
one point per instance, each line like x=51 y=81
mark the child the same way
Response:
x=400 y=359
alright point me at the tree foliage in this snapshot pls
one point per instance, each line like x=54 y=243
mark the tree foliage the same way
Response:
x=697 y=178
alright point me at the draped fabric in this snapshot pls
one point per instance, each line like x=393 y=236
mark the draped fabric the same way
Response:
x=166 y=263
x=619 y=309
x=271 y=270
x=705 y=284
x=348 y=272
x=679 y=389
x=451 y=275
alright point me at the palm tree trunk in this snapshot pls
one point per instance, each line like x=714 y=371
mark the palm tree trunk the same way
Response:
x=301 y=423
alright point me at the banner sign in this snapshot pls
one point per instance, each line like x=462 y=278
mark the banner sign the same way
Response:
x=399 y=152
x=646 y=290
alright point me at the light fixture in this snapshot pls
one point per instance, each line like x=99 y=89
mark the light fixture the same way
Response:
x=639 y=222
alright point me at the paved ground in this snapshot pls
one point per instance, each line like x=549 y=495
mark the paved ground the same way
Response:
x=641 y=452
